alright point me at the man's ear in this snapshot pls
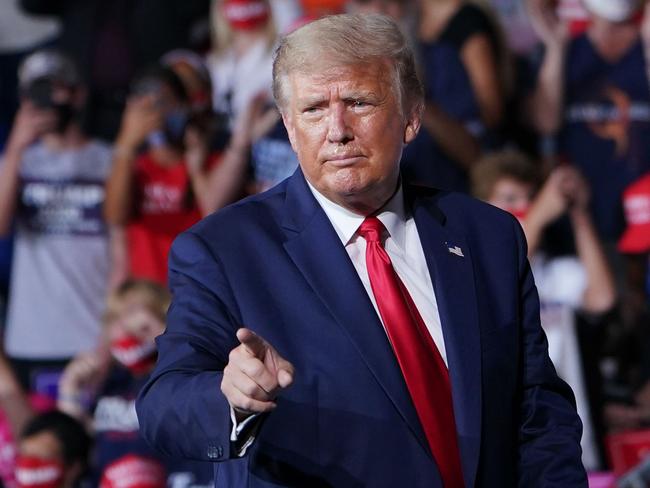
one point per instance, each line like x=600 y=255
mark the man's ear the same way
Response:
x=413 y=123
x=288 y=124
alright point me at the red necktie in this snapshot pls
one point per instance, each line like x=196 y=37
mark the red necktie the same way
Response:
x=424 y=370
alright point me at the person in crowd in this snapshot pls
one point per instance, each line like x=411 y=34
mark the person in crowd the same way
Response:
x=628 y=405
x=592 y=93
x=113 y=40
x=99 y=389
x=460 y=56
x=566 y=284
x=331 y=332
x=635 y=241
x=52 y=178
x=16 y=410
x=156 y=194
x=53 y=452
x=241 y=56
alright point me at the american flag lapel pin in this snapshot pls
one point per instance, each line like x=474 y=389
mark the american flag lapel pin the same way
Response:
x=455 y=250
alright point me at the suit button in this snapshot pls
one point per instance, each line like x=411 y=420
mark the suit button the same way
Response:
x=215 y=452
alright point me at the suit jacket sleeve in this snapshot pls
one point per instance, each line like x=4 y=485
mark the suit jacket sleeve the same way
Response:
x=549 y=427
x=181 y=409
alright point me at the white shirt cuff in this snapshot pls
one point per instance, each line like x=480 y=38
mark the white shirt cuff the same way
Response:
x=238 y=428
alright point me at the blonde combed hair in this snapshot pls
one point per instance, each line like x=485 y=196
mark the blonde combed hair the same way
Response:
x=345 y=40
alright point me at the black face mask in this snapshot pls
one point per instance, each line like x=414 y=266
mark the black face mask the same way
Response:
x=66 y=113
x=40 y=94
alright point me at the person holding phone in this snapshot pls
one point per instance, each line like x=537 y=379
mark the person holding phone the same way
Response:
x=165 y=176
x=52 y=179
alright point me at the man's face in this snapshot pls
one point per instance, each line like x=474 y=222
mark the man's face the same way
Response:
x=348 y=130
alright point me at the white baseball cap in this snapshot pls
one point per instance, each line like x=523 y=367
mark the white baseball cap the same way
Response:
x=48 y=63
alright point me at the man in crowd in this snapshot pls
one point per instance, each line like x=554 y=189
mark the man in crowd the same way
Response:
x=347 y=328
x=52 y=179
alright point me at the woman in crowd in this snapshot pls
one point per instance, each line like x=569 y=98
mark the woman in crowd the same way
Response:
x=242 y=55
x=460 y=55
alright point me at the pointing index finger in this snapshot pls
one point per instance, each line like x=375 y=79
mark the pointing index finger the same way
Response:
x=253 y=343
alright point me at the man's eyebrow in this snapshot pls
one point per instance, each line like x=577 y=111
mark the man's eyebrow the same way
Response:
x=360 y=94
x=311 y=100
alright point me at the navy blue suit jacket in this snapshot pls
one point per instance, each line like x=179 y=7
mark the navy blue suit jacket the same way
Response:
x=274 y=264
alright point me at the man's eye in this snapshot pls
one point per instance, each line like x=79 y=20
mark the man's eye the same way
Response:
x=361 y=104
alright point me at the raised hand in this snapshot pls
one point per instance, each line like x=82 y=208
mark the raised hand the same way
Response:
x=31 y=122
x=254 y=375
x=544 y=19
x=141 y=117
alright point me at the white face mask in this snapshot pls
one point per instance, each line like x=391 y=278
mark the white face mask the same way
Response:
x=613 y=10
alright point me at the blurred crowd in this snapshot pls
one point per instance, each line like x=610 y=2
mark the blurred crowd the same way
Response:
x=124 y=122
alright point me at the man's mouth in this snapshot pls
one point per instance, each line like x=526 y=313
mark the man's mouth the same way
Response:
x=343 y=159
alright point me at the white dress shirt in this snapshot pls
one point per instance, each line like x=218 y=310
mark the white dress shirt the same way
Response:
x=404 y=249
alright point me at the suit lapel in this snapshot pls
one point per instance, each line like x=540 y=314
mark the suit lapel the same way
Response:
x=453 y=282
x=316 y=250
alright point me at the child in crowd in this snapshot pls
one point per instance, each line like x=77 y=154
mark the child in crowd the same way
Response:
x=52 y=452
x=101 y=391
x=52 y=179
x=177 y=179
x=566 y=284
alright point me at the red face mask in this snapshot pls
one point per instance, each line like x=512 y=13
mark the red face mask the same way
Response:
x=245 y=14
x=138 y=356
x=520 y=213
x=33 y=472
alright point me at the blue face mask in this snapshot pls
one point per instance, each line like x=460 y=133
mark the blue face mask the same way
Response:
x=175 y=123
x=173 y=130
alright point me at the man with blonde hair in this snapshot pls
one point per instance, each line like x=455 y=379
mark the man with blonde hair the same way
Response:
x=347 y=328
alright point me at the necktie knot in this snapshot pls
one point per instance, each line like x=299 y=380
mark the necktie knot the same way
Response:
x=371 y=229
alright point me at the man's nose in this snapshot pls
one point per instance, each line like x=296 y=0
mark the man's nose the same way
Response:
x=339 y=128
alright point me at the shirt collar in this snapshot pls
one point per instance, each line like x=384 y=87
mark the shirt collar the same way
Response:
x=345 y=223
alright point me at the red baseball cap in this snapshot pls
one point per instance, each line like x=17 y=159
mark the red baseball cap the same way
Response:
x=133 y=471
x=636 y=201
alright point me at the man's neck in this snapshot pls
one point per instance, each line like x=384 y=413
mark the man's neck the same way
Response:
x=363 y=205
x=71 y=138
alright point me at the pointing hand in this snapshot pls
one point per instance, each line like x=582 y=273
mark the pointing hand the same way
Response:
x=254 y=375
